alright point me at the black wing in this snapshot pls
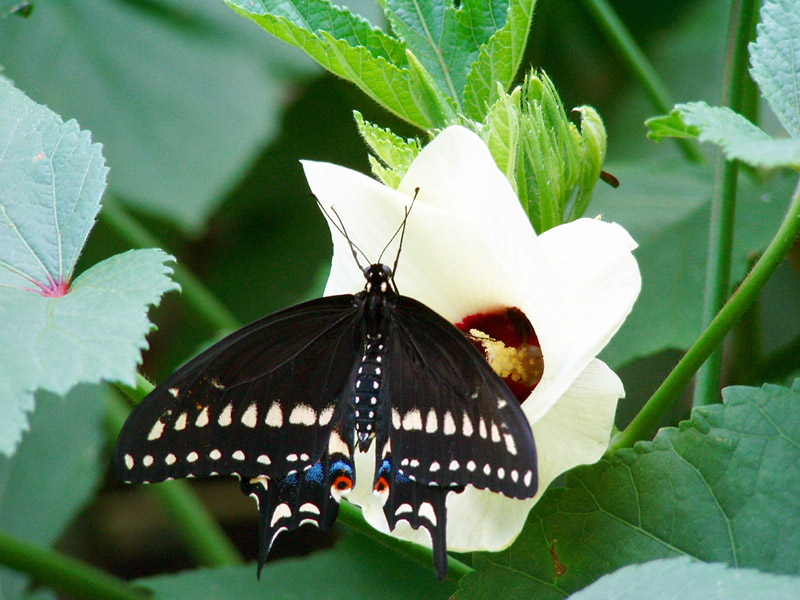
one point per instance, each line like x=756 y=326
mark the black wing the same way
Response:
x=260 y=403
x=454 y=421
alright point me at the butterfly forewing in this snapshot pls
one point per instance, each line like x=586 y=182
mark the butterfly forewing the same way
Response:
x=261 y=402
x=453 y=420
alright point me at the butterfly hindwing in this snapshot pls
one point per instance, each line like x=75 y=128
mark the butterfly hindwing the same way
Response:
x=309 y=496
x=261 y=402
x=453 y=420
x=418 y=504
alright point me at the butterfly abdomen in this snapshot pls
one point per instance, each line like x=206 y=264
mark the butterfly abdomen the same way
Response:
x=366 y=396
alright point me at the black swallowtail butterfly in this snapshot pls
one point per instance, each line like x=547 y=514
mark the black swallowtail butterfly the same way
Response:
x=285 y=401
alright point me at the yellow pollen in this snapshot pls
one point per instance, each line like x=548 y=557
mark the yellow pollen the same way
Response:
x=524 y=364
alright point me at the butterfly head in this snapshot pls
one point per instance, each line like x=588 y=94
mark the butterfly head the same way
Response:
x=379 y=278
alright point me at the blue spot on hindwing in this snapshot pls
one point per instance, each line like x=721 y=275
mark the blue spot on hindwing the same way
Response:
x=341 y=465
x=316 y=474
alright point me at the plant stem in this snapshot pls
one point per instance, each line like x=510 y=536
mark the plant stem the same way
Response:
x=203 y=537
x=64 y=573
x=645 y=422
x=196 y=294
x=620 y=38
x=723 y=201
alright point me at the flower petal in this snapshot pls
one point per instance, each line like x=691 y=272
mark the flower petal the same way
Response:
x=466 y=237
x=575 y=431
x=597 y=283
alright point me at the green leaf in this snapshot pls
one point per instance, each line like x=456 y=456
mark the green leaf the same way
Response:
x=51 y=181
x=774 y=58
x=446 y=39
x=666 y=209
x=183 y=94
x=498 y=60
x=346 y=46
x=738 y=137
x=394 y=152
x=94 y=332
x=501 y=132
x=356 y=568
x=720 y=488
x=54 y=473
x=698 y=581
x=671 y=125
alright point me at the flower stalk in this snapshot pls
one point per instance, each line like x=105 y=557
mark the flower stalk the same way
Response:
x=645 y=422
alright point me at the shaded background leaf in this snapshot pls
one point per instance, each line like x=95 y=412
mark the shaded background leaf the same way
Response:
x=183 y=96
x=55 y=472
x=357 y=568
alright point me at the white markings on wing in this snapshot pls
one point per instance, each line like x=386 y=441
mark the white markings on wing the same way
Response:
x=274 y=415
x=226 y=416
x=180 y=422
x=449 y=423
x=326 y=415
x=281 y=511
x=426 y=511
x=412 y=420
x=466 y=426
x=156 y=431
x=202 y=418
x=431 y=422
x=250 y=416
x=510 y=445
x=302 y=414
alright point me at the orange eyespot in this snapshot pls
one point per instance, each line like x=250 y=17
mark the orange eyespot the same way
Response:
x=343 y=483
x=382 y=484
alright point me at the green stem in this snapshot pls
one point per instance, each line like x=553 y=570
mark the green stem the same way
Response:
x=203 y=537
x=647 y=419
x=196 y=294
x=723 y=201
x=620 y=38
x=74 y=578
x=350 y=515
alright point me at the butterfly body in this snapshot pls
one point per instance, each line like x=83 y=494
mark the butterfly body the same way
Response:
x=285 y=402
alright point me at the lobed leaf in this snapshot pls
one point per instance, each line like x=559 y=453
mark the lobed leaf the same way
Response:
x=774 y=57
x=498 y=60
x=319 y=29
x=51 y=181
x=95 y=332
x=701 y=490
x=684 y=579
x=738 y=137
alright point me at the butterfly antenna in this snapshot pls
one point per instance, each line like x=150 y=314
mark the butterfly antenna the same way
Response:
x=341 y=229
x=402 y=231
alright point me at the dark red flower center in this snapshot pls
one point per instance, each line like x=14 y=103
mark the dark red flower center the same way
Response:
x=507 y=339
